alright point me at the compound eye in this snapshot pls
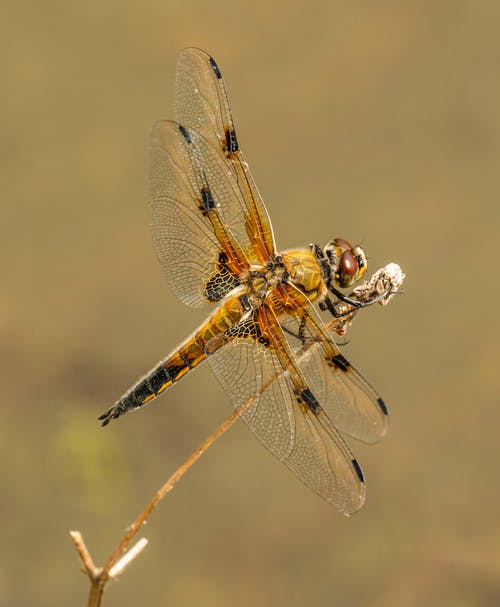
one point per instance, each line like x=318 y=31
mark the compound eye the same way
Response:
x=343 y=244
x=349 y=264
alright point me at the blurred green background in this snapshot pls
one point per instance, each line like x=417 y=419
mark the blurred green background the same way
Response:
x=375 y=121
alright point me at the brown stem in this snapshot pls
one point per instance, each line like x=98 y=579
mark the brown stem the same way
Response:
x=96 y=592
x=100 y=576
x=168 y=486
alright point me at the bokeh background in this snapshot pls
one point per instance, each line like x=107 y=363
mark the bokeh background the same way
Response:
x=375 y=121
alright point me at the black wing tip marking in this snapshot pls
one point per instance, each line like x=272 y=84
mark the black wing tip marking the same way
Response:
x=343 y=364
x=215 y=67
x=340 y=362
x=358 y=470
x=185 y=134
x=382 y=406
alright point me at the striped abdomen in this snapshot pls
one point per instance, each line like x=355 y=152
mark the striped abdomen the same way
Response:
x=191 y=353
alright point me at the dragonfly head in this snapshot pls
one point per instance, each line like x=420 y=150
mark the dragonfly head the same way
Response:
x=347 y=263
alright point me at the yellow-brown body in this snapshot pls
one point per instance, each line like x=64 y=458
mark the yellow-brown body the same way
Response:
x=257 y=285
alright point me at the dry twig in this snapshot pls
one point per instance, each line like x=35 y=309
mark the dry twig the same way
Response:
x=122 y=555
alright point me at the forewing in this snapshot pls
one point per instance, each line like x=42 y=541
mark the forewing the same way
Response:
x=264 y=391
x=351 y=403
x=202 y=104
x=195 y=216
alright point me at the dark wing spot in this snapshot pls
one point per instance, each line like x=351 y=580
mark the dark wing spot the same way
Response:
x=307 y=397
x=383 y=406
x=231 y=141
x=207 y=200
x=222 y=280
x=340 y=362
x=223 y=259
x=247 y=328
x=215 y=68
x=184 y=133
x=359 y=472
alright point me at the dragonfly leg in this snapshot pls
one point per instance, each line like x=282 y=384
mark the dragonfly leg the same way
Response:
x=327 y=304
x=355 y=302
x=300 y=335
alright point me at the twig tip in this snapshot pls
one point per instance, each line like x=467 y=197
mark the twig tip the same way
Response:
x=127 y=558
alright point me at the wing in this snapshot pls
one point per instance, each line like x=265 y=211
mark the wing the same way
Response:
x=202 y=104
x=351 y=403
x=197 y=217
x=256 y=370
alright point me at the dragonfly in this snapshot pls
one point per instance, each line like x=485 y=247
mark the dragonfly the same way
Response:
x=264 y=339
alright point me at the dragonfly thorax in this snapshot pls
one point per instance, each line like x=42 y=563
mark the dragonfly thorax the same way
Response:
x=261 y=279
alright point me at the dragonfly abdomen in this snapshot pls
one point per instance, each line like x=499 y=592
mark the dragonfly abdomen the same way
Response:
x=157 y=380
x=190 y=354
